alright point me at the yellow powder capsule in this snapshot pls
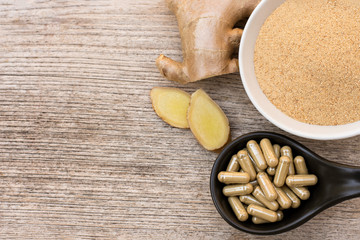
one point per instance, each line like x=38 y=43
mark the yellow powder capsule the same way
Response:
x=281 y=171
x=276 y=148
x=269 y=153
x=301 y=180
x=283 y=200
x=233 y=177
x=261 y=212
x=266 y=186
x=294 y=199
x=259 y=195
x=237 y=189
x=248 y=199
x=302 y=192
x=300 y=165
x=256 y=154
x=246 y=164
x=238 y=209
x=271 y=171
x=286 y=151
x=233 y=165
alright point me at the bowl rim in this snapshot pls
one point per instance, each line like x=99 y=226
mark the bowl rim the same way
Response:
x=258 y=98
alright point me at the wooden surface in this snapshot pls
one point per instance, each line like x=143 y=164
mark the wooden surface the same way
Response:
x=83 y=155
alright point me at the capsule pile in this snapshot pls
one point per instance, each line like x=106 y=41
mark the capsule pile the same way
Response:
x=262 y=180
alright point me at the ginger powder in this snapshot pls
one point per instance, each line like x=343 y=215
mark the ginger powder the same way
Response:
x=307 y=60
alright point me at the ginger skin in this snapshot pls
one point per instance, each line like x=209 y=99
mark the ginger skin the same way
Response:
x=208 y=38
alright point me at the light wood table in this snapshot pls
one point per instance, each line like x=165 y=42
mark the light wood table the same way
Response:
x=84 y=156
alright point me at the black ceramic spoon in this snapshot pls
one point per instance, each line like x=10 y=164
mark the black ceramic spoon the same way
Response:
x=336 y=183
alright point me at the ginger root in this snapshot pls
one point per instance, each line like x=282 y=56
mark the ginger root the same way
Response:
x=207 y=121
x=208 y=38
x=171 y=105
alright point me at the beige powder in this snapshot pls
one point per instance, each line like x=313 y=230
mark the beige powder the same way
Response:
x=307 y=60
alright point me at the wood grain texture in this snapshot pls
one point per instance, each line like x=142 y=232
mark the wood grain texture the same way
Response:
x=84 y=156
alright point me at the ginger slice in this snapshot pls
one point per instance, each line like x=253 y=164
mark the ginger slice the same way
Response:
x=207 y=121
x=171 y=105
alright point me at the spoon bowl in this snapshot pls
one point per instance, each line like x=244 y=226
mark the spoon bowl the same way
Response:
x=336 y=183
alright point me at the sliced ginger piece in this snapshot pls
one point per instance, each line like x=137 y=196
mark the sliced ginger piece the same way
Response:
x=207 y=121
x=171 y=105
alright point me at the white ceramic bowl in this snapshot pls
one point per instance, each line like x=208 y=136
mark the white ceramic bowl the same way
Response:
x=258 y=98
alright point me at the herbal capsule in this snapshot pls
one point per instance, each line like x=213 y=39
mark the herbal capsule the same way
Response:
x=261 y=212
x=259 y=195
x=256 y=153
x=276 y=148
x=280 y=215
x=237 y=190
x=294 y=199
x=301 y=180
x=271 y=171
x=283 y=200
x=257 y=220
x=269 y=153
x=233 y=165
x=248 y=199
x=238 y=209
x=301 y=192
x=266 y=186
x=246 y=164
x=281 y=171
x=286 y=151
x=257 y=169
x=300 y=165
x=233 y=177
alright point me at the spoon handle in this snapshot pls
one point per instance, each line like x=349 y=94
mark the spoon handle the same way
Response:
x=350 y=182
x=343 y=183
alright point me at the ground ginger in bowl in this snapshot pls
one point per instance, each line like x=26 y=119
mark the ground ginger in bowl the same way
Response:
x=307 y=60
